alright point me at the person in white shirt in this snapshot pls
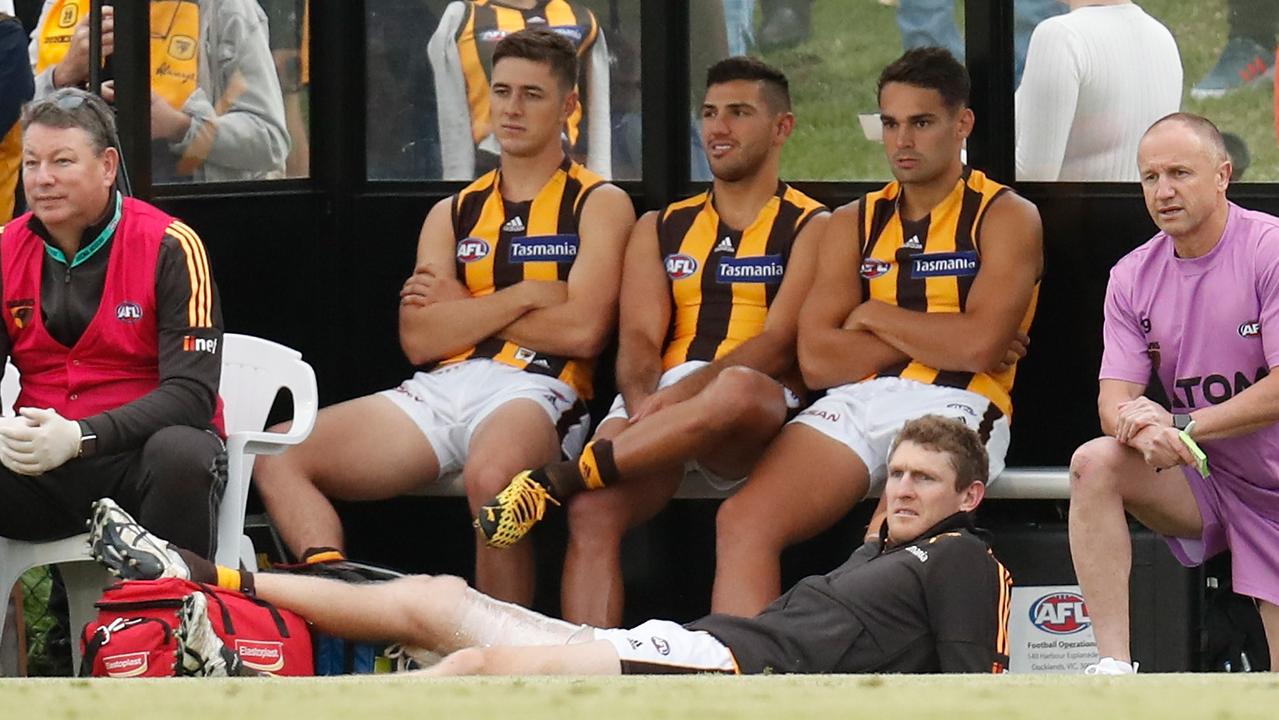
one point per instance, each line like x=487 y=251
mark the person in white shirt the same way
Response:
x=1095 y=79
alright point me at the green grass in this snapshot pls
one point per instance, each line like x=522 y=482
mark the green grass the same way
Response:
x=1163 y=697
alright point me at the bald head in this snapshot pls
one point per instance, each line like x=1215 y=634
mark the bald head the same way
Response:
x=1201 y=127
x=1185 y=171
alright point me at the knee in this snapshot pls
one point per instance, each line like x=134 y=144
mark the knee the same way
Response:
x=738 y=392
x=406 y=596
x=597 y=518
x=484 y=481
x=1092 y=467
x=184 y=457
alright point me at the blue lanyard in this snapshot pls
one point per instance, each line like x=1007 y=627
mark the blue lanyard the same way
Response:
x=87 y=252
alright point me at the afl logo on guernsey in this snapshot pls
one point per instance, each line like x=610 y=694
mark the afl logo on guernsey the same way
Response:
x=472 y=249
x=766 y=269
x=680 y=266
x=543 y=248
x=873 y=268
x=1250 y=329
x=128 y=312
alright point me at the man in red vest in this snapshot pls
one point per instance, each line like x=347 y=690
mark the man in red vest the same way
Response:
x=113 y=321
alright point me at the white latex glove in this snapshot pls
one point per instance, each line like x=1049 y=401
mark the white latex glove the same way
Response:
x=10 y=422
x=46 y=442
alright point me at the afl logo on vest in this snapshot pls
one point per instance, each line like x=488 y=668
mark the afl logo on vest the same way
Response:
x=128 y=312
x=472 y=249
x=680 y=266
x=1062 y=613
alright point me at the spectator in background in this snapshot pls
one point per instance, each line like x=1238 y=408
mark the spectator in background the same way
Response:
x=1095 y=79
x=461 y=52
x=925 y=23
x=1249 y=54
x=121 y=401
x=404 y=140
x=289 y=23
x=16 y=87
x=216 y=109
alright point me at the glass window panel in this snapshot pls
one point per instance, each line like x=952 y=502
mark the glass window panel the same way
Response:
x=832 y=51
x=428 y=63
x=1214 y=58
x=218 y=112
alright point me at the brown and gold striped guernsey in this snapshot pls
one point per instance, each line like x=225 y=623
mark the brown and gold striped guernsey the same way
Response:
x=929 y=265
x=488 y=21
x=723 y=280
x=501 y=243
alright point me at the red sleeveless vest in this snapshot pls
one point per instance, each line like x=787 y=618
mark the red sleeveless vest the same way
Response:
x=116 y=360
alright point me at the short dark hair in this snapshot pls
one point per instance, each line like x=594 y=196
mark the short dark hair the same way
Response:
x=544 y=46
x=73 y=108
x=965 y=450
x=1202 y=126
x=740 y=67
x=932 y=68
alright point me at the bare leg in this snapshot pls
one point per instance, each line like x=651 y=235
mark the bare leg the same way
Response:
x=804 y=484
x=727 y=424
x=345 y=457
x=517 y=435
x=440 y=614
x=592 y=591
x=591 y=658
x=1270 y=620
x=1105 y=479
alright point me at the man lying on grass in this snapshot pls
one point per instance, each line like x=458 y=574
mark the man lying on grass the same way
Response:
x=927 y=596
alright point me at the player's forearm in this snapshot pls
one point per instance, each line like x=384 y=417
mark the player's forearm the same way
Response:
x=947 y=341
x=835 y=356
x=639 y=368
x=570 y=329
x=1251 y=410
x=772 y=352
x=444 y=329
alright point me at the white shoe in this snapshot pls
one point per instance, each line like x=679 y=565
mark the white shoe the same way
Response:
x=1111 y=666
x=128 y=549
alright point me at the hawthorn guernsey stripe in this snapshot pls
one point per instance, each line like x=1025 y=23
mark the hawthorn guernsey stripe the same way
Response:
x=723 y=280
x=1002 y=647
x=929 y=265
x=200 y=306
x=501 y=243
x=488 y=21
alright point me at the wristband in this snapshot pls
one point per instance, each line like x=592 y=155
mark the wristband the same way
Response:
x=1201 y=458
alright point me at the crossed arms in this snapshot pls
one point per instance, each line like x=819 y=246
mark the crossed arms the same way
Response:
x=440 y=318
x=844 y=338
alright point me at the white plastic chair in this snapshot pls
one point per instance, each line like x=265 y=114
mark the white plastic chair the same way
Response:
x=253 y=372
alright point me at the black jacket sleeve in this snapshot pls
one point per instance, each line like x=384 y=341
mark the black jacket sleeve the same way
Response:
x=967 y=594
x=16 y=83
x=189 y=334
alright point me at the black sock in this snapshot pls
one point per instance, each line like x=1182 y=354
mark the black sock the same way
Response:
x=202 y=570
x=561 y=479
